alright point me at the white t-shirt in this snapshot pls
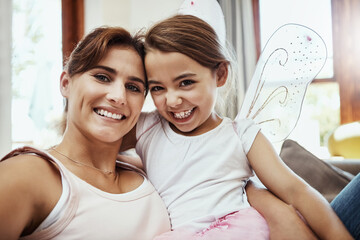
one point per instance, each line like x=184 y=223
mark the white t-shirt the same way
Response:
x=200 y=178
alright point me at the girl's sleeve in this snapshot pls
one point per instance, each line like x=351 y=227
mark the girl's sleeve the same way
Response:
x=247 y=130
x=145 y=122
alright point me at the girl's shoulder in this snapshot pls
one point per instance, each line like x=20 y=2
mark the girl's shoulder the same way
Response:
x=146 y=121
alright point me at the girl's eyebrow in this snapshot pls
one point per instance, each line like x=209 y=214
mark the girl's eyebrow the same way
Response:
x=185 y=75
x=113 y=71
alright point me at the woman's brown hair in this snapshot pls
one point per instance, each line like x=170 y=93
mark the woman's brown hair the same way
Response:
x=94 y=46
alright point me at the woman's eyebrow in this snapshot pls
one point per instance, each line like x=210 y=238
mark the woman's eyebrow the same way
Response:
x=136 y=79
x=113 y=71
x=108 y=69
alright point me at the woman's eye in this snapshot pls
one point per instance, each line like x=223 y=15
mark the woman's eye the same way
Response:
x=133 y=88
x=155 y=89
x=186 y=83
x=102 y=78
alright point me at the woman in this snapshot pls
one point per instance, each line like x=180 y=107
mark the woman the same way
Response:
x=77 y=189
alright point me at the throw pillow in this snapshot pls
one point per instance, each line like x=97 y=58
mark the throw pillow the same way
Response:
x=324 y=177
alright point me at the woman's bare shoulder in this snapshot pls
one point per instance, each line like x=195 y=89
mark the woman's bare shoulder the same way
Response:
x=28 y=167
x=29 y=174
x=29 y=188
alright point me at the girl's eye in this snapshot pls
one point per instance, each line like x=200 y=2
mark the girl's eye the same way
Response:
x=186 y=83
x=102 y=78
x=155 y=89
x=133 y=88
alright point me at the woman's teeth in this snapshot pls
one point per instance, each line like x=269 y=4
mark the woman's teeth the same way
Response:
x=182 y=115
x=105 y=113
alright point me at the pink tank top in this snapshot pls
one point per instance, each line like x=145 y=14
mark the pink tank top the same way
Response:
x=90 y=213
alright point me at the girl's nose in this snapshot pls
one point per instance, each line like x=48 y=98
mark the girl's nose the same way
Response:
x=173 y=99
x=117 y=94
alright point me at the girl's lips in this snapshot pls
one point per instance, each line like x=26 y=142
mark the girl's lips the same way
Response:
x=108 y=114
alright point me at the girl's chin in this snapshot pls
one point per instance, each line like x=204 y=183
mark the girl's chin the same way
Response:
x=182 y=129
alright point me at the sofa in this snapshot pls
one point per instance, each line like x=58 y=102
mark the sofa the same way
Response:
x=327 y=176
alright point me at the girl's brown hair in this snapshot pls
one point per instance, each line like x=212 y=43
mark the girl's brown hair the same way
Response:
x=196 y=39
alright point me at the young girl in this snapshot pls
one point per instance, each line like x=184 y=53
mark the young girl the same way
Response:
x=200 y=162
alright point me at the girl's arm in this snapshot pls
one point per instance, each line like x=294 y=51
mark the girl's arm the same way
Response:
x=25 y=198
x=283 y=220
x=129 y=142
x=293 y=190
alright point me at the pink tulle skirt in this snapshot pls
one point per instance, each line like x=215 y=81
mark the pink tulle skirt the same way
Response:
x=246 y=224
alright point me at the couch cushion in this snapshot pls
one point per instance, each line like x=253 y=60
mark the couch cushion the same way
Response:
x=327 y=179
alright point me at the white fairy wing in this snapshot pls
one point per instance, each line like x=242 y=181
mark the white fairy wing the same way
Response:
x=291 y=59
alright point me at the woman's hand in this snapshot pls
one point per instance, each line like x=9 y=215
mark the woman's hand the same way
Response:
x=283 y=220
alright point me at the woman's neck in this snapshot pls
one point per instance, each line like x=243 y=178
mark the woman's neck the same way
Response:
x=88 y=152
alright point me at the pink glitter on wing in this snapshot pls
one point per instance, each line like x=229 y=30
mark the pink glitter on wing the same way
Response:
x=192 y=2
x=308 y=38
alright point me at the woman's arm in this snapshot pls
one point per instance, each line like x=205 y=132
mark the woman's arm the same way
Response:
x=25 y=198
x=283 y=220
x=293 y=190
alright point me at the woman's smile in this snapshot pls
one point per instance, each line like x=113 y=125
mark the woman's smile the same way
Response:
x=108 y=114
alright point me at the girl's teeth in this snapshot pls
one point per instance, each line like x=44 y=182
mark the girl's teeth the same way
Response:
x=182 y=115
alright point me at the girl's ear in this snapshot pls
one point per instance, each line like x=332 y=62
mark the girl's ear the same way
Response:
x=64 y=84
x=221 y=74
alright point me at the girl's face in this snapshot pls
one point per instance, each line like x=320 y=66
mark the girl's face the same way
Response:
x=105 y=102
x=184 y=92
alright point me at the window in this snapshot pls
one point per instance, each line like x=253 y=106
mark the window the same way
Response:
x=344 y=85
x=36 y=100
x=321 y=110
x=313 y=14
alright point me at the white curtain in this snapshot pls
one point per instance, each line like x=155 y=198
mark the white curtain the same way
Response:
x=240 y=34
x=5 y=76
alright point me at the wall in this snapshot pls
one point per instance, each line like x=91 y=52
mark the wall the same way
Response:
x=5 y=76
x=130 y=14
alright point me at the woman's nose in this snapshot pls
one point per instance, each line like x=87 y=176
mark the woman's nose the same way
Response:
x=117 y=94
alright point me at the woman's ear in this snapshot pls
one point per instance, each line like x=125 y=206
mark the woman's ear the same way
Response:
x=64 y=84
x=221 y=74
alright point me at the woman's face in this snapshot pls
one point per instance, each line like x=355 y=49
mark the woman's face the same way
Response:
x=184 y=92
x=105 y=102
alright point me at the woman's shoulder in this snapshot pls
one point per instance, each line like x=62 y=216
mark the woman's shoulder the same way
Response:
x=28 y=166
x=29 y=173
x=31 y=183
